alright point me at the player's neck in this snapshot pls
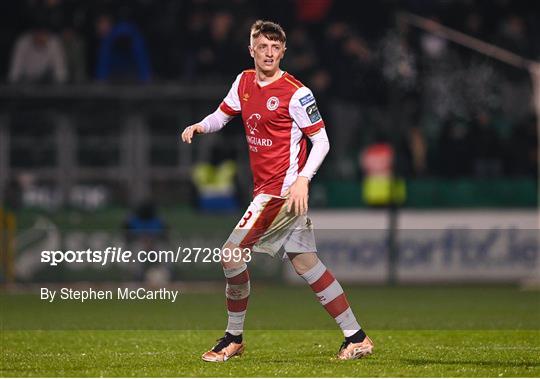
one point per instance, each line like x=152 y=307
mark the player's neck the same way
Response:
x=265 y=78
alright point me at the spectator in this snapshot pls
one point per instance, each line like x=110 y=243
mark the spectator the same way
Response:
x=358 y=63
x=513 y=35
x=195 y=28
x=487 y=146
x=123 y=56
x=75 y=54
x=38 y=57
x=146 y=230
x=418 y=151
x=301 y=57
x=357 y=86
x=101 y=27
x=474 y=25
x=217 y=55
x=399 y=65
x=145 y=225
x=312 y=11
x=523 y=161
x=455 y=150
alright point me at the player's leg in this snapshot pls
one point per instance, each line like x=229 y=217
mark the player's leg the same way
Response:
x=257 y=221
x=237 y=294
x=265 y=225
x=332 y=297
x=327 y=289
x=237 y=288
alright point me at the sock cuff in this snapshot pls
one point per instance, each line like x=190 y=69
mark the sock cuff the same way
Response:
x=235 y=332
x=236 y=314
x=351 y=332
x=232 y=272
x=348 y=323
x=313 y=274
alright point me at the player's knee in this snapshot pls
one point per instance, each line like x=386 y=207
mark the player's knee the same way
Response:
x=237 y=270
x=229 y=258
x=303 y=262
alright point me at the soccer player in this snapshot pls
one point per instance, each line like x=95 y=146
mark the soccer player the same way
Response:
x=279 y=115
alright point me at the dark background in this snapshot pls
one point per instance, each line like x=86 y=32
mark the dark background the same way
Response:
x=462 y=124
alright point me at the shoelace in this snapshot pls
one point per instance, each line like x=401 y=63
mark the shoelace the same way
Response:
x=223 y=342
x=344 y=345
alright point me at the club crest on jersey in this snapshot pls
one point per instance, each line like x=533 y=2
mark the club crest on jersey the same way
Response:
x=272 y=104
x=252 y=122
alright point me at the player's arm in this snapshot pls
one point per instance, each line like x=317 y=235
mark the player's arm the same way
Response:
x=304 y=111
x=210 y=124
x=298 y=192
x=228 y=109
x=320 y=148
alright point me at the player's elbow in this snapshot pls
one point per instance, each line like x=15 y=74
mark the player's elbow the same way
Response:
x=325 y=147
x=323 y=141
x=320 y=141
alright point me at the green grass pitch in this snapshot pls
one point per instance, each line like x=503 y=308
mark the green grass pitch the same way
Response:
x=418 y=331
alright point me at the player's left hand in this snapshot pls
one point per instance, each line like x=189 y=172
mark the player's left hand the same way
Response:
x=297 y=200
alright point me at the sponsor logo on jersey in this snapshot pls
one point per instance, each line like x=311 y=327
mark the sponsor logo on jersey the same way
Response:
x=256 y=141
x=272 y=104
x=245 y=97
x=252 y=122
x=306 y=99
x=313 y=113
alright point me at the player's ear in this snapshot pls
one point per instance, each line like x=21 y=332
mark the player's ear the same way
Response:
x=251 y=52
x=283 y=51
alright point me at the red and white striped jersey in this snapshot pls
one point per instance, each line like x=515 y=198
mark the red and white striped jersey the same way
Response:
x=277 y=118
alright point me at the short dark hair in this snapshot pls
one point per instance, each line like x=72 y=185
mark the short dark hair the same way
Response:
x=269 y=29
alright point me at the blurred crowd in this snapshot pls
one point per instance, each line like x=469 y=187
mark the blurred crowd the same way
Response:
x=448 y=111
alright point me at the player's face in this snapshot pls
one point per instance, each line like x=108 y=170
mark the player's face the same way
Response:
x=267 y=54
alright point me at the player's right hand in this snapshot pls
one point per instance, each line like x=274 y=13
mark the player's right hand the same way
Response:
x=297 y=196
x=190 y=131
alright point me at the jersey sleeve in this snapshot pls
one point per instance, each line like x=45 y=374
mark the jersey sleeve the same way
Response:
x=303 y=110
x=231 y=103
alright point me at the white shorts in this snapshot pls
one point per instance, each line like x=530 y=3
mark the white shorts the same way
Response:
x=267 y=226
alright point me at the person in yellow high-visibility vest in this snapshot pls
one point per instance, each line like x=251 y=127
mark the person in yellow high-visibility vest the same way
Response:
x=215 y=185
x=380 y=187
